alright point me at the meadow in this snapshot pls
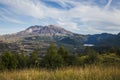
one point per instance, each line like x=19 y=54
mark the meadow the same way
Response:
x=58 y=64
x=90 y=72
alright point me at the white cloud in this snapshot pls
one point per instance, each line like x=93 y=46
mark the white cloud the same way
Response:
x=71 y=26
x=89 y=16
x=108 y=4
x=8 y=19
x=6 y=16
x=24 y=7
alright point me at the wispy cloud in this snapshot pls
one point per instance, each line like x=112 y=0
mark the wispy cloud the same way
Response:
x=82 y=14
x=8 y=19
x=7 y=16
x=108 y=4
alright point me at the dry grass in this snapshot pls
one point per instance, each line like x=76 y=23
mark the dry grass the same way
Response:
x=75 y=73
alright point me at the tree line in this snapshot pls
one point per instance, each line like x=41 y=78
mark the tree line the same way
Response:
x=56 y=58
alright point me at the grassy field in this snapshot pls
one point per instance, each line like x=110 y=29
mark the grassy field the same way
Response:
x=74 y=73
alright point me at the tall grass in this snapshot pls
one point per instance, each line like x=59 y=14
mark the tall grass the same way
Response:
x=71 y=73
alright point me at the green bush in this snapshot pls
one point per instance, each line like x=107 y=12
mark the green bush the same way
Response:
x=110 y=59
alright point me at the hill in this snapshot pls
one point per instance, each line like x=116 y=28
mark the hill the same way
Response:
x=39 y=37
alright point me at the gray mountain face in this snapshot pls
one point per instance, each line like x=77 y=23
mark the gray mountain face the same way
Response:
x=50 y=30
x=41 y=31
x=52 y=33
x=39 y=37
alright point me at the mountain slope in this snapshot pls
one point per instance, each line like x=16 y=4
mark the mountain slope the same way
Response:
x=39 y=37
x=49 y=30
x=45 y=31
x=104 y=39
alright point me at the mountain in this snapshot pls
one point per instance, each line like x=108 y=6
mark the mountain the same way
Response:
x=97 y=38
x=104 y=39
x=42 y=31
x=39 y=37
x=50 y=30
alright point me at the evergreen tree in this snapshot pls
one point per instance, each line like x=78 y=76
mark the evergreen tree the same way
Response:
x=1 y=64
x=118 y=52
x=34 y=59
x=52 y=59
x=92 y=55
x=68 y=59
x=9 y=61
x=22 y=60
x=63 y=52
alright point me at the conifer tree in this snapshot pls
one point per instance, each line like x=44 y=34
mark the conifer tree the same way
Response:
x=52 y=59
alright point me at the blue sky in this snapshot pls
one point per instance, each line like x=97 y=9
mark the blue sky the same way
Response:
x=79 y=16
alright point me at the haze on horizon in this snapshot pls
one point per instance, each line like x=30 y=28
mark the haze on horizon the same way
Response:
x=79 y=16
